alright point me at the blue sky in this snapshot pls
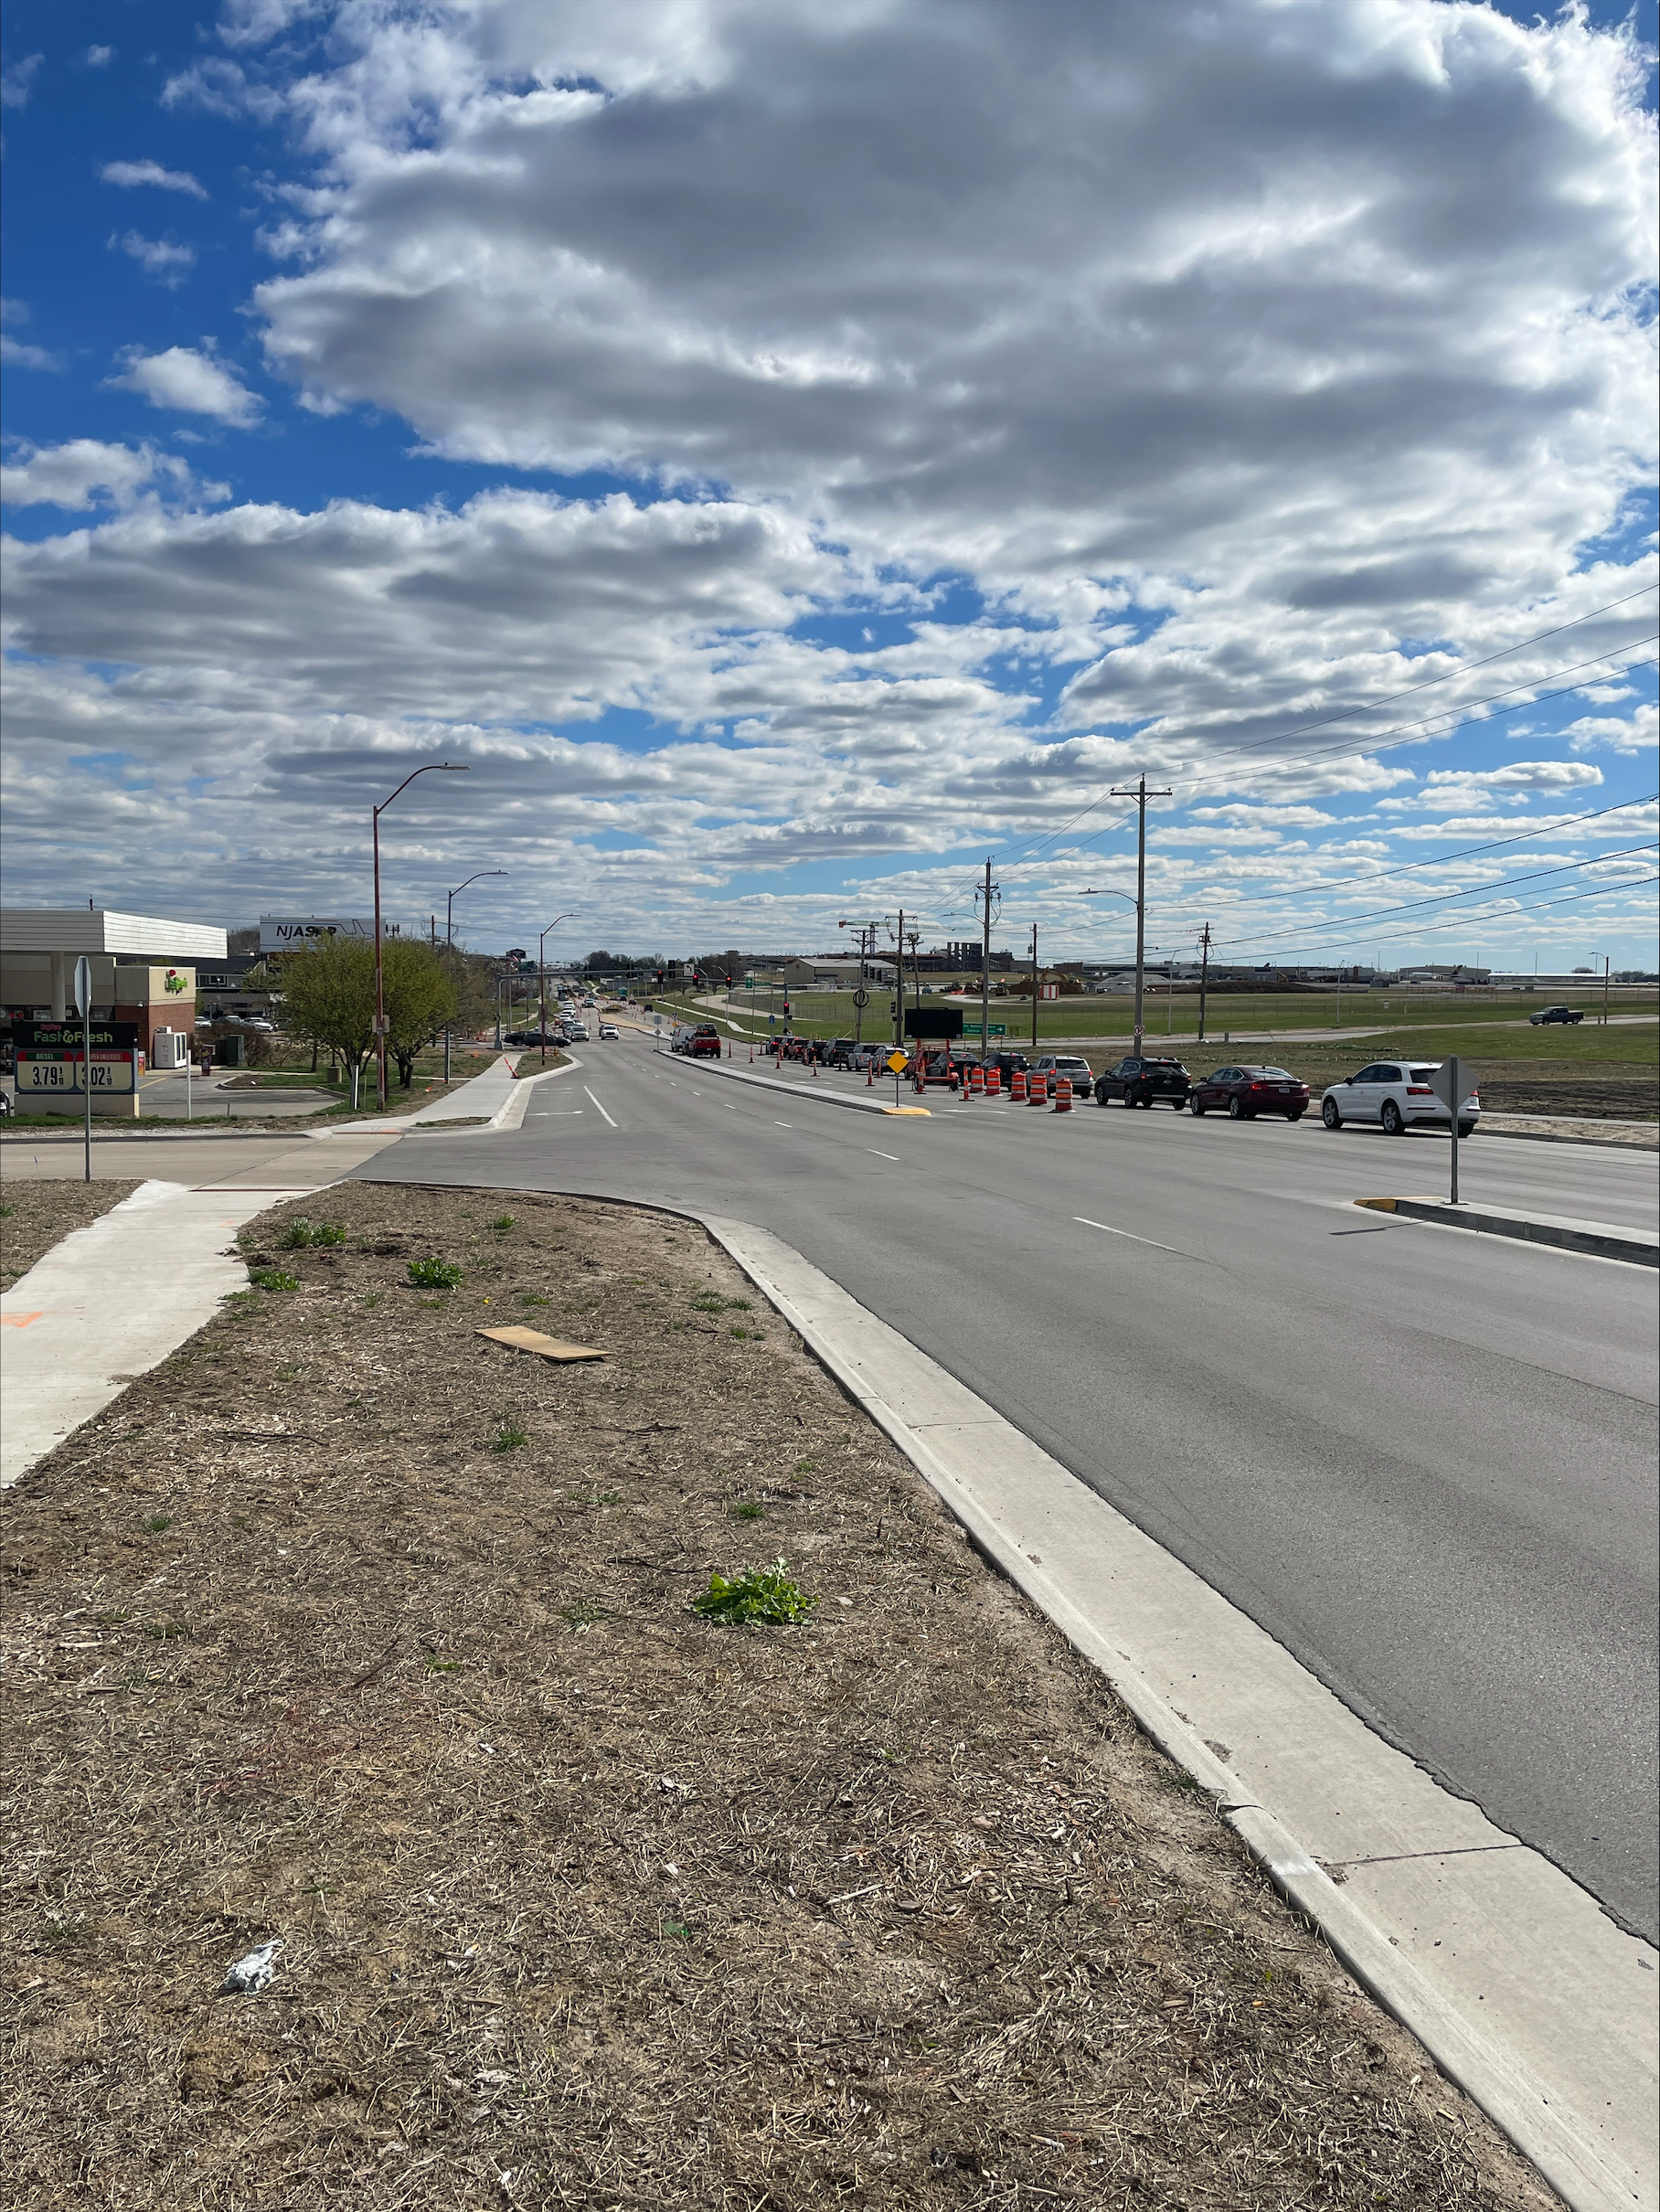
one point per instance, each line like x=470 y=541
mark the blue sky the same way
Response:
x=789 y=469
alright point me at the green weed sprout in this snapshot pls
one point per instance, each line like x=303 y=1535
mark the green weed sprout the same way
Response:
x=765 y=1596
x=434 y=1274
x=299 y=1232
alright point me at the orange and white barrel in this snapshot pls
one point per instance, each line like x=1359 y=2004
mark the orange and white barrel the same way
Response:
x=1036 y=1088
x=1063 y=1094
x=1017 y=1086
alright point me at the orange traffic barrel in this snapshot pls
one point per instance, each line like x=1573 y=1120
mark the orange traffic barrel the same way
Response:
x=1036 y=1088
x=1017 y=1086
x=1063 y=1094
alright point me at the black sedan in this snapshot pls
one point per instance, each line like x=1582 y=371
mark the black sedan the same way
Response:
x=1143 y=1081
x=1242 y=1094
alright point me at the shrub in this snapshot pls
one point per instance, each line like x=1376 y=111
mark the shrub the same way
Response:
x=434 y=1274
x=764 y=1597
x=272 y=1278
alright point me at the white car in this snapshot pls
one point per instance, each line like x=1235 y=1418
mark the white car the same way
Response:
x=607 y=1029
x=1396 y=1094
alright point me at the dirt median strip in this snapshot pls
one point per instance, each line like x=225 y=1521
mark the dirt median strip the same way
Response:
x=351 y=1631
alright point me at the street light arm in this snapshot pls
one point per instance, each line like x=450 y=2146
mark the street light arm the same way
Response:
x=478 y=879
x=449 y=768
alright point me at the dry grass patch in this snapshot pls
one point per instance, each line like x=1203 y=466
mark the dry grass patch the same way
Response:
x=349 y=1631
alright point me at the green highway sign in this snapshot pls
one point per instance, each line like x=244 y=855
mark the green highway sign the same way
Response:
x=973 y=1029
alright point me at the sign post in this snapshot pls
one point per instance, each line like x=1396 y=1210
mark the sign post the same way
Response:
x=83 y=1006
x=1450 y=1085
x=896 y=1061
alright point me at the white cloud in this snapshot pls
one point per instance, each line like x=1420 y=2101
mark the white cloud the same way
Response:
x=220 y=87
x=129 y=173
x=158 y=257
x=19 y=353
x=1637 y=732
x=194 y=383
x=85 y=473
x=1448 y=789
x=18 y=82
x=99 y=57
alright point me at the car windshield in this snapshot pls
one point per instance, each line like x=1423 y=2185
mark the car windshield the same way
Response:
x=1417 y=1075
x=1278 y=1075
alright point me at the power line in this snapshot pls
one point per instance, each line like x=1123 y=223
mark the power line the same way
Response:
x=1554 y=827
x=1388 y=698
x=1475 y=921
x=1475 y=890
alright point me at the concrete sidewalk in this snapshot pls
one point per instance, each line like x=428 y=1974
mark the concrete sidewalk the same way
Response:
x=110 y=1301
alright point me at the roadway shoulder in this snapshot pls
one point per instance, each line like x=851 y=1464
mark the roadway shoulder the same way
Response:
x=820 y=1095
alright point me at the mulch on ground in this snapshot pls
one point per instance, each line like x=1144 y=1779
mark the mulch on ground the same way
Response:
x=347 y=1630
x=35 y=1216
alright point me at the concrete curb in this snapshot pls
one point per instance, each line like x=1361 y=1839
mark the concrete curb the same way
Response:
x=1447 y=1920
x=803 y=1089
x=1520 y=2105
x=1605 y=1239
x=510 y=1114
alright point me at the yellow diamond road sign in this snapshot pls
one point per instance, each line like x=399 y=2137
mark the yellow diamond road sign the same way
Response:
x=896 y=1061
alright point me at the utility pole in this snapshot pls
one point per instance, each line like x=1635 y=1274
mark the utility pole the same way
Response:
x=1141 y=795
x=1034 y=988
x=916 y=969
x=987 y=896
x=1204 y=975
x=1607 y=963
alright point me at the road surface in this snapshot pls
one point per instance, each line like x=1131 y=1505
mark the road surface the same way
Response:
x=1422 y=1460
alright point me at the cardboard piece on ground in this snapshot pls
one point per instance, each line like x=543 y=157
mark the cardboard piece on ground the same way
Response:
x=545 y=1347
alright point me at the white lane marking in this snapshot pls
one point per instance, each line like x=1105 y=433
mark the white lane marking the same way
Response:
x=783 y=1125
x=883 y=1155
x=1151 y=1241
x=554 y=1114
x=589 y=1094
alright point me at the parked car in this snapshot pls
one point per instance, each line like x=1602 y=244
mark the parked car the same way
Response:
x=1143 y=1081
x=1396 y=1094
x=696 y=1040
x=1242 y=1094
x=840 y=1051
x=1548 y=1015
x=1056 y=1064
x=608 y=1030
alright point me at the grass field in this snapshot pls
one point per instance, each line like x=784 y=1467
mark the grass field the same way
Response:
x=1612 y=1072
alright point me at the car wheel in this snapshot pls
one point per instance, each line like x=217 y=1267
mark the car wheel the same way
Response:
x=1295 y=1117
x=1467 y=1129
x=1196 y=1106
x=1236 y=1112
x=1393 y=1126
x=1329 y=1115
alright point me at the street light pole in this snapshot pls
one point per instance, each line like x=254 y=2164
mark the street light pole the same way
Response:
x=450 y=938
x=449 y=768
x=541 y=982
x=1112 y=891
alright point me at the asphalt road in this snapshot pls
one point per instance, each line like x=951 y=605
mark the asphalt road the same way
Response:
x=1423 y=1460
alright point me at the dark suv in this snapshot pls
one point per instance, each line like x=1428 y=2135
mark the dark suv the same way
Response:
x=840 y=1051
x=1142 y=1082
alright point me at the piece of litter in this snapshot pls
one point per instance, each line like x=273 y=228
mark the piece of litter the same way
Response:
x=671 y=1869
x=520 y=1339
x=252 y=1972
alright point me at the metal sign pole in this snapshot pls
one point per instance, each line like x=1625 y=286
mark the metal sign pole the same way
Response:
x=1450 y=1082
x=83 y=1006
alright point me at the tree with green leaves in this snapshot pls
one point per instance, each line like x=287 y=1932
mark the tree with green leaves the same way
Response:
x=328 y=998
x=420 y=999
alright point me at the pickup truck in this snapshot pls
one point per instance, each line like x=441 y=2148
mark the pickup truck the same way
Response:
x=1548 y=1015
x=1143 y=1081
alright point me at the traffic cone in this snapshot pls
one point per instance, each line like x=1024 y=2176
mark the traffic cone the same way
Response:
x=1017 y=1087
x=1063 y=1095
x=1036 y=1089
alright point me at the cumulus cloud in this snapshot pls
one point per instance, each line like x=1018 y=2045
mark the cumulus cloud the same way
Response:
x=1637 y=732
x=85 y=473
x=1447 y=790
x=129 y=173
x=194 y=383
x=19 y=353
x=157 y=256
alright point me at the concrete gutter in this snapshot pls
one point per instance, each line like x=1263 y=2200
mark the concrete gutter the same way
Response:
x=1515 y=1979
x=823 y=1094
x=1606 y=1240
